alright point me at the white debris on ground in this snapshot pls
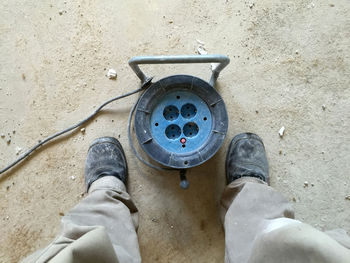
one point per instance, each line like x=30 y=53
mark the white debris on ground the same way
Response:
x=281 y=131
x=18 y=150
x=112 y=74
x=82 y=130
x=72 y=177
x=306 y=184
x=201 y=50
x=323 y=107
x=311 y=5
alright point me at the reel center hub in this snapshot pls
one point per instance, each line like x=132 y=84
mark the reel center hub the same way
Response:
x=181 y=121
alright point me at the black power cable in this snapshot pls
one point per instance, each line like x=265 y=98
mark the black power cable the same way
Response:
x=45 y=141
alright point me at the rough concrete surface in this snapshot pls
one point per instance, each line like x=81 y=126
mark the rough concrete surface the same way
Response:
x=290 y=66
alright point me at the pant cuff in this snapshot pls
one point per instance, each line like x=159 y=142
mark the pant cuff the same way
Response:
x=245 y=179
x=108 y=182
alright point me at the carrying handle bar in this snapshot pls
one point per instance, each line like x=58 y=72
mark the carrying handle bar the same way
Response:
x=222 y=61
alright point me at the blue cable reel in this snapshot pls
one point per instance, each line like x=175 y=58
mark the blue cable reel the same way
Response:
x=180 y=121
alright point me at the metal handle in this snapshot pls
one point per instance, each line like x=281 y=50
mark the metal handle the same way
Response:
x=222 y=61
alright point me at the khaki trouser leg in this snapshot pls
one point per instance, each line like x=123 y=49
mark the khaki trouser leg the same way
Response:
x=103 y=225
x=260 y=227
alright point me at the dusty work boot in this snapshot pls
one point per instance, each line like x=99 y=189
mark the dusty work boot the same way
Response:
x=246 y=157
x=105 y=158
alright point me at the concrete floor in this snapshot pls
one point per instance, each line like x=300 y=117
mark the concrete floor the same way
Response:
x=288 y=59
